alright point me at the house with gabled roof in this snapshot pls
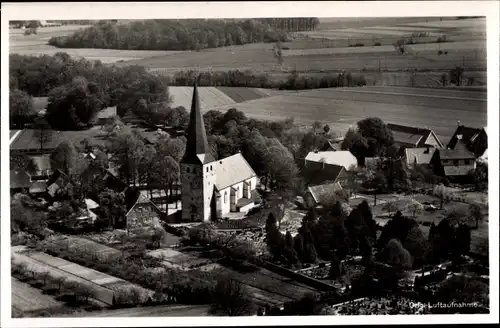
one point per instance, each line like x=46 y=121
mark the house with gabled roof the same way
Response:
x=321 y=167
x=212 y=188
x=318 y=195
x=414 y=137
x=332 y=145
x=419 y=156
x=452 y=163
x=474 y=139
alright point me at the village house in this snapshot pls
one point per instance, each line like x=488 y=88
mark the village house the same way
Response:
x=474 y=139
x=332 y=145
x=419 y=156
x=328 y=166
x=321 y=194
x=453 y=163
x=212 y=188
x=413 y=137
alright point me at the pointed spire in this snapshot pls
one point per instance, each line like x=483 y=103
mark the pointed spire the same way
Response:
x=197 y=143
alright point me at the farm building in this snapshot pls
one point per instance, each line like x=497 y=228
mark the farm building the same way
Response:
x=332 y=145
x=412 y=137
x=141 y=211
x=211 y=188
x=105 y=116
x=474 y=139
x=342 y=158
x=327 y=166
x=419 y=156
x=454 y=162
x=318 y=195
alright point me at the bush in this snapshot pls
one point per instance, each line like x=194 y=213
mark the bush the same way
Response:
x=377 y=44
x=357 y=45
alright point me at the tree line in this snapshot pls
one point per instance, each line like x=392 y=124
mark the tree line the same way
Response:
x=237 y=78
x=186 y=34
x=77 y=89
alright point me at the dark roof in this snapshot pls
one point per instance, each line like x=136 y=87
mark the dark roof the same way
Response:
x=458 y=153
x=321 y=193
x=474 y=139
x=19 y=179
x=332 y=145
x=56 y=181
x=409 y=135
x=197 y=143
x=318 y=174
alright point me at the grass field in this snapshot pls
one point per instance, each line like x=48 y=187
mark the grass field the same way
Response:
x=36 y=45
x=28 y=299
x=438 y=110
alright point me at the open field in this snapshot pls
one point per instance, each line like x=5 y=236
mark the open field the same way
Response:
x=335 y=59
x=388 y=30
x=28 y=299
x=36 y=45
x=210 y=97
x=343 y=107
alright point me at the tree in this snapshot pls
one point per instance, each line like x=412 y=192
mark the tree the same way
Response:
x=356 y=144
x=373 y=180
x=475 y=213
x=461 y=288
x=415 y=207
x=232 y=298
x=442 y=192
x=377 y=135
x=21 y=108
x=74 y=105
x=417 y=245
x=64 y=157
x=112 y=208
x=43 y=133
x=396 y=255
x=335 y=268
x=456 y=75
x=326 y=129
x=479 y=176
x=390 y=207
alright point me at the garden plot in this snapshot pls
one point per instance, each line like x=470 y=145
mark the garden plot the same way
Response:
x=96 y=281
x=177 y=259
x=28 y=299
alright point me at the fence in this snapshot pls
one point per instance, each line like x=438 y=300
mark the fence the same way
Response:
x=320 y=285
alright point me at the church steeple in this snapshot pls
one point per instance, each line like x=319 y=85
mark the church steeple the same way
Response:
x=197 y=148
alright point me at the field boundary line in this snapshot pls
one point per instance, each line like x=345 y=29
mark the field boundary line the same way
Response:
x=409 y=94
x=71 y=274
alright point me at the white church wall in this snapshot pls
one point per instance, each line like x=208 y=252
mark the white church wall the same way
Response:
x=225 y=200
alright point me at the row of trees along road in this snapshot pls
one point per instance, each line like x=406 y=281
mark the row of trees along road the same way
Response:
x=189 y=34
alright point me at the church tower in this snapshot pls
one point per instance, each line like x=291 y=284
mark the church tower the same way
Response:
x=197 y=168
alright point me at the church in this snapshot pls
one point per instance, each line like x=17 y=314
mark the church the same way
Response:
x=212 y=188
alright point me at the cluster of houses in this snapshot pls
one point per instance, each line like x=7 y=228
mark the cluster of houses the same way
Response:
x=209 y=188
x=326 y=169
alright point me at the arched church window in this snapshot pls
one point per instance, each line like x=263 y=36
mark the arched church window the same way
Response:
x=225 y=197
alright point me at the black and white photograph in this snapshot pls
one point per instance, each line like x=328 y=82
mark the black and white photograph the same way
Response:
x=284 y=164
